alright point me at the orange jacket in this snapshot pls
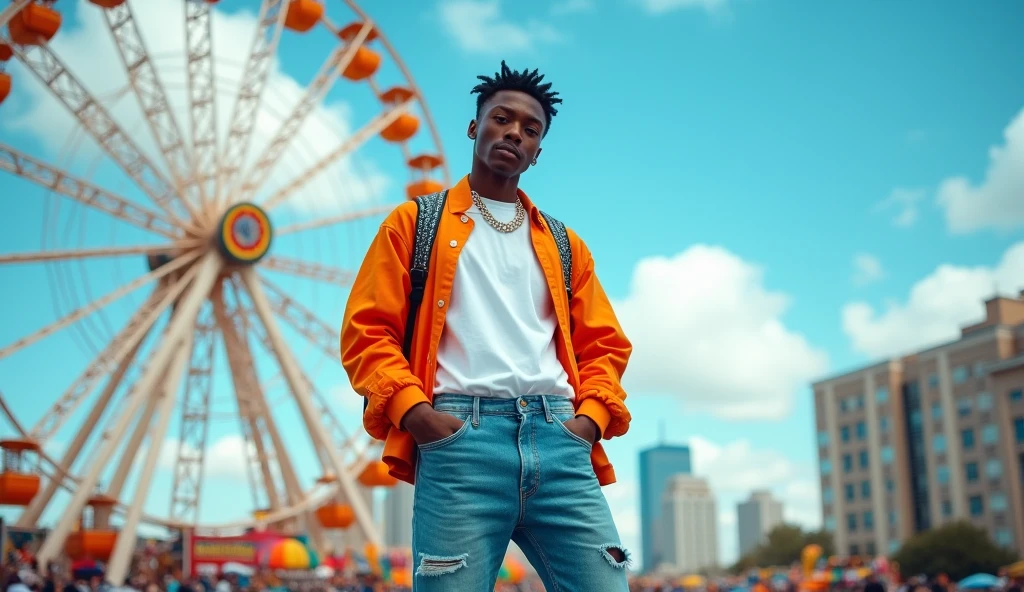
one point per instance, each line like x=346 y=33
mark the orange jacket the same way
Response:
x=593 y=349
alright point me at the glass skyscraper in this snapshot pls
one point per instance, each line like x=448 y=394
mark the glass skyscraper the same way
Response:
x=657 y=466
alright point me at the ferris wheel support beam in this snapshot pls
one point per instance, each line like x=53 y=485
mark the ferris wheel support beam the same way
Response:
x=121 y=347
x=117 y=568
x=150 y=92
x=336 y=63
x=182 y=322
x=332 y=220
x=351 y=143
x=131 y=449
x=63 y=255
x=245 y=380
x=250 y=91
x=305 y=404
x=54 y=179
x=310 y=270
x=202 y=94
x=74 y=316
x=303 y=320
x=100 y=126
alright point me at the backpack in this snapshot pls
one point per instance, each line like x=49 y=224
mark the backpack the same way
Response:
x=428 y=217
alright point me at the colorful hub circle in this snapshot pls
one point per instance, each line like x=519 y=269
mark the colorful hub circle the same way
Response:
x=245 y=233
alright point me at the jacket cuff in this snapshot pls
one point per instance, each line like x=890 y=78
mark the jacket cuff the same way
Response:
x=597 y=411
x=401 y=402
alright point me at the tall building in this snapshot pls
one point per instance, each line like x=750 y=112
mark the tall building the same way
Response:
x=398 y=515
x=755 y=518
x=913 y=443
x=657 y=466
x=689 y=539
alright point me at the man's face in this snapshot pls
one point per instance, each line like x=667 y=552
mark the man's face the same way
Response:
x=508 y=132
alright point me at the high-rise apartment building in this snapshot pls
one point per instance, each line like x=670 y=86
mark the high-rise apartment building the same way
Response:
x=755 y=518
x=398 y=515
x=657 y=466
x=688 y=541
x=916 y=442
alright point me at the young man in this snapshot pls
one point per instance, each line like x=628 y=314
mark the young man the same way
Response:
x=511 y=380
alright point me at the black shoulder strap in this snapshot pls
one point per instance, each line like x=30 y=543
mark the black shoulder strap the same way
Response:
x=428 y=216
x=561 y=237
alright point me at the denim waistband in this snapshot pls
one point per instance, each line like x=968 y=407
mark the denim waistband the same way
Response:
x=526 y=404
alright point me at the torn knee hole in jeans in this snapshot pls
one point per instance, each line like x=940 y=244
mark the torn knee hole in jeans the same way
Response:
x=435 y=565
x=616 y=556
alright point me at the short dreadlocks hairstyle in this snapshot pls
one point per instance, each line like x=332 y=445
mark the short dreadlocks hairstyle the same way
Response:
x=523 y=81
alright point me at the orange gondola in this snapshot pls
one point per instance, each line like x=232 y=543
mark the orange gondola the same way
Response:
x=335 y=515
x=107 y=3
x=422 y=187
x=303 y=15
x=363 y=65
x=34 y=25
x=94 y=539
x=405 y=125
x=19 y=481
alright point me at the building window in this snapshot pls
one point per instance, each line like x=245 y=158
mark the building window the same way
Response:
x=865 y=489
x=890 y=485
x=936 y=410
x=961 y=374
x=894 y=518
x=863 y=459
x=967 y=438
x=830 y=523
x=851 y=492
x=997 y=502
x=851 y=522
x=822 y=439
x=972 y=472
x=942 y=474
x=869 y=519
x=883 y=425
x=862 y=430
x=826 y=466
x=870 y=550
x=947 y=508
x=894 y=546
x=933 y=380
x=977 y=505
x=994 y=468
x=854 y=550
x=963 y=407
x=826 y=495
x=847 y=463
x=882 y=394
x=1016 y=394
x=1003 y=537
x=915 y=417
x=844 y=433
x=1018 y=429
x=990 y=433
x=984 y=401
x=939 y=443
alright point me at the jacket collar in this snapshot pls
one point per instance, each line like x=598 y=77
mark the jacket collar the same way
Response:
x=460 y=199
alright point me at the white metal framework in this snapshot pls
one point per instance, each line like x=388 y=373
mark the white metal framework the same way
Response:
x=209 y=226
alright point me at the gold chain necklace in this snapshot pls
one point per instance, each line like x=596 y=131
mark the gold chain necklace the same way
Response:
x=500 y=226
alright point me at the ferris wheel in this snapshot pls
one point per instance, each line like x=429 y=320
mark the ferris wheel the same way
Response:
x=204 y=197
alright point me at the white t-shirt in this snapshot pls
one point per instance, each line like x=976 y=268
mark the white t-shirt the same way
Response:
x=499 y=336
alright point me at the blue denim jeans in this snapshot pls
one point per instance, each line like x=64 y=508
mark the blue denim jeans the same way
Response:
x=513 y=471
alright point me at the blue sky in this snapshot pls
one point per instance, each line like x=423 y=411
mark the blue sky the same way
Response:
x=773 y=192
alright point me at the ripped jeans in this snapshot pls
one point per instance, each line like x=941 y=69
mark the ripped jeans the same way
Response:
x=512 y=472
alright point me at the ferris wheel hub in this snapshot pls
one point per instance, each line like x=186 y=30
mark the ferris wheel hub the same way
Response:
x=244 y=234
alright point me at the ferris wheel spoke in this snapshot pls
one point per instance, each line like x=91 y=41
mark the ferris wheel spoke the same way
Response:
x=294 y=379
x=20 y=164
x=84 y=311
x=315 y=92
x=309 y=270
x=100 y=126
x=186 y=491
x=250 y=91
x=302 y=320
x=332 y=220
x=180 y=323
x=202 y=94
x=67 y=254
x=353 y=142
x=152 y=96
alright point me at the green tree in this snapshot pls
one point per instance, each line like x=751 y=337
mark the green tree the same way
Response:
x=958 y=549
x=783 y=546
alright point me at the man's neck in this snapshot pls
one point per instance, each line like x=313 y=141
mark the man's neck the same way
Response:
x=492 y=186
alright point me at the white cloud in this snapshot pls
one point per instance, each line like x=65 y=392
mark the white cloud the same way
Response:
x=571 y=7
x=866 y=269
x=937 y=307
x=478 y=26
x=905 y=203
x=224 y=459
x=706 y=330
x=663 y=6
x=89 y=51
x=998 y=202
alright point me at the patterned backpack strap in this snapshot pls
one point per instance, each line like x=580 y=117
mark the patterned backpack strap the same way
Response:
x=428 y=217
x=561 y=237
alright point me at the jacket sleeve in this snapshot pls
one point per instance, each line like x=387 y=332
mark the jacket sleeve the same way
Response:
x=601 y=347
x=373 y=330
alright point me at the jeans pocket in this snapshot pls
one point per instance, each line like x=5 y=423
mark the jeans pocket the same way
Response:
x=560 y=419
x=448 y=440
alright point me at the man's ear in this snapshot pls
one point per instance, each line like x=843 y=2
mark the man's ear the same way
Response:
x=471 y=132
